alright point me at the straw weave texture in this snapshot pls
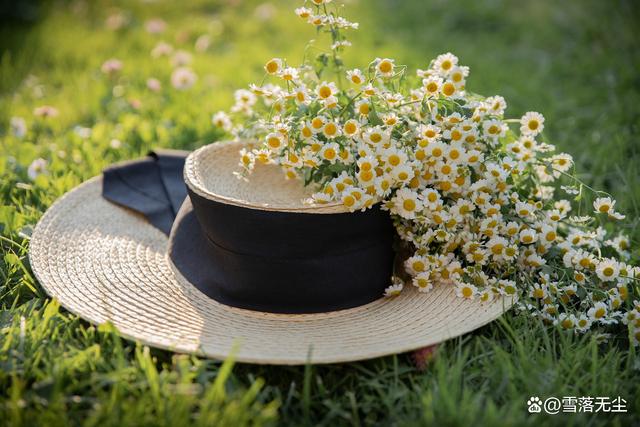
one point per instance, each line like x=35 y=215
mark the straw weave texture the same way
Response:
x=207 y=173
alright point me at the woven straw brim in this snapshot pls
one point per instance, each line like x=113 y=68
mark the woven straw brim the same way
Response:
x=107 y=264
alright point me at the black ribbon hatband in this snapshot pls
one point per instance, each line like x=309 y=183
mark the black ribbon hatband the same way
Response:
x=274 y=261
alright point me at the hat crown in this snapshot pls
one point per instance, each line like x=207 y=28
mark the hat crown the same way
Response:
x=209 y=173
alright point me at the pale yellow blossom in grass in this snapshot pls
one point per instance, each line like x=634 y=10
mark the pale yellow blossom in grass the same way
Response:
x=183 y=78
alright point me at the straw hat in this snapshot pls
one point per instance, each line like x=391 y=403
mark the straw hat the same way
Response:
x=106 y=263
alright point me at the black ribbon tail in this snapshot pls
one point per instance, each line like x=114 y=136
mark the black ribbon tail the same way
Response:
x=171 y=166
x=152 y=186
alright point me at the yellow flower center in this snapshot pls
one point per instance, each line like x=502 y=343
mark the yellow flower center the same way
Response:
x=330 y=129
x=317 y=123
x=385 y=67
x=272 y=67
x=394 y=160
x=329 y=154
x=422 y=282
x=350 y=128
x=274 y=142
x=448 y=89
x=366 y=175
x=567 y=323
x=324 y=92
x=497 y=248
x=349 y=201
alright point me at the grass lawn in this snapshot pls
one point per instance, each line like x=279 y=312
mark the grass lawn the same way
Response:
x=577 y=62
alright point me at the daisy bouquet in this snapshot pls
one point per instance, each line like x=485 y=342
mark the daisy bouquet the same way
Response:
x=480 y=200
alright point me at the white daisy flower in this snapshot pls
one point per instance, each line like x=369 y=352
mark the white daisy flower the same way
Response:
x=528 y=236
x=531 y=123
x=406 y=203
x=18 y=127
x=326 y=90
x=351 y=198
x=274 y=66
x=566 y=321
x=394 y=290
x=423 y=282
x=415 y=264
x=363 y=107
x=402 y=174
x=385 y=67
x=598 y=312
x=329 y=152
x=275 y=141
x=445 y=63
x=607 y=270
x=222 y=120
x=351 y=127
x=37 y=168
x=289 y=74
x=605 y=205
x=303 y=12
x=466 y=290
x=355 y=76
x=331 y=130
